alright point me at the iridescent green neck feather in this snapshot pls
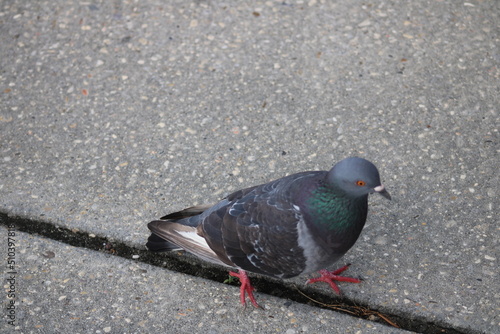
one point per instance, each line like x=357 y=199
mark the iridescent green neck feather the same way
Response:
x=331 y=209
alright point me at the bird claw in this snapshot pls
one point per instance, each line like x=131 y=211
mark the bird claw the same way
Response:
x=331 y=276
x=246 y=287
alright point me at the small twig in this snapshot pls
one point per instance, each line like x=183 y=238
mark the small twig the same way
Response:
x=354 y=310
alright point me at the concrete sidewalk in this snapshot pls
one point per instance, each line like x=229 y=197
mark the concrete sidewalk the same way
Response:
x=113 y=114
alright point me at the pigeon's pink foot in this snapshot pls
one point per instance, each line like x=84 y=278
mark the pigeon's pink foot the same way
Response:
x=246 y=287
x=331 y=276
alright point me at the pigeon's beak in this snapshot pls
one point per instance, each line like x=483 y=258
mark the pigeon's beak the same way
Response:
x=381 y=190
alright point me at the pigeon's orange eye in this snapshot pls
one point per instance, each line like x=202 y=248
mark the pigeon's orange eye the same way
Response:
x=361 y=183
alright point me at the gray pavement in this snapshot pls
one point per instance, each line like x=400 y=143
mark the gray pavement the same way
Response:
x=115 y=113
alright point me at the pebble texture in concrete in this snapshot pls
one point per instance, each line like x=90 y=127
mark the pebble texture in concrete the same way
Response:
x=115 y=113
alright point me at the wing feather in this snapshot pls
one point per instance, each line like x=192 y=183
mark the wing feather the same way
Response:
x=257 y=229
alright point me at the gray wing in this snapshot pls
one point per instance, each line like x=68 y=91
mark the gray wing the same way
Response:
x=257 y=230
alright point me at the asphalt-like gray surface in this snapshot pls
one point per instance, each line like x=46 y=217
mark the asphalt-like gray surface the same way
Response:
x=115 y=113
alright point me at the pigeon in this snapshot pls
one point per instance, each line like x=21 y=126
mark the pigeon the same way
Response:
x=292 y=226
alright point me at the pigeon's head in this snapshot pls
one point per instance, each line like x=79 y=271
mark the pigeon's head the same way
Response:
x=357 y=177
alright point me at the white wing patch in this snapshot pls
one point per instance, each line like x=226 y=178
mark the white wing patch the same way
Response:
x=195 y=238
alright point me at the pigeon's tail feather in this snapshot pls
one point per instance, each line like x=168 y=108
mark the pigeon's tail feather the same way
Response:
x=176 y=235
x=157 y=244
x=189 y=212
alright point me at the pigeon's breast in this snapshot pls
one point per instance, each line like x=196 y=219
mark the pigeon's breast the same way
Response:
x=316 y=256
